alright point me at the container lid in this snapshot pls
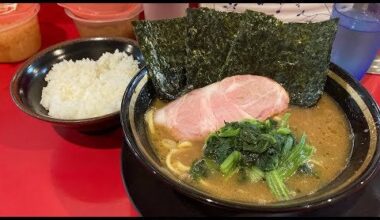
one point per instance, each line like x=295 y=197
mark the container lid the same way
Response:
x=363 y=17
x=13 y=14
x=102 y=11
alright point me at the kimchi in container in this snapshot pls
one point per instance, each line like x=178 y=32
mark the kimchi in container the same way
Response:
x=20 y=35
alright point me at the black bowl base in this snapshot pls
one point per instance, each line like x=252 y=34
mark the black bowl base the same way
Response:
x=101 y=131
x=152 y=197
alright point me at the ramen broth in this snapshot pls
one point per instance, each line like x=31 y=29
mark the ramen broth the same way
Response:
x=326 y=128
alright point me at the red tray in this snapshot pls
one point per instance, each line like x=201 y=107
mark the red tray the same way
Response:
x=48 y=172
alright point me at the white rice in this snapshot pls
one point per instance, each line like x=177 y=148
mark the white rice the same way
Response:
x=87 y=88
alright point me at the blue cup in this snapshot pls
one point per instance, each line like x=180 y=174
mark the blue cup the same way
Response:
x=358 y=38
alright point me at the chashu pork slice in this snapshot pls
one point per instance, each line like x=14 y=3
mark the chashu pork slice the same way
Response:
x=196 y=114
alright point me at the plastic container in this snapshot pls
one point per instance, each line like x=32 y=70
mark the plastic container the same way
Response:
x=94 y=11
x=158 y=11
x=20 y=35
x=358 y=38
x=95 y=22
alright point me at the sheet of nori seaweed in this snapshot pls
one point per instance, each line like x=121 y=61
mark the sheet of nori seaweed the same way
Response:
x=296 y=55
x=209 y=38
x=162 y=43
x=304 y=73
x=256 y=40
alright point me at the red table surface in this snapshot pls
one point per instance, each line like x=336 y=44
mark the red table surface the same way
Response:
x=44 y=172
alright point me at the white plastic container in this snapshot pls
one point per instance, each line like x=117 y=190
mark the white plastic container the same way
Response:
x=106 y=25
x=158 y=11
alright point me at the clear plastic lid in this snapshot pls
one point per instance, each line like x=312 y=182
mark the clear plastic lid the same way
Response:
x=360 y=17
x=102 y=11
x=14 y=14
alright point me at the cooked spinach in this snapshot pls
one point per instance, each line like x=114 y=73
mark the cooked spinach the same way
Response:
x=276 y=185
x=230 y=163
x=255 y=174
x=202 y=168
x=299 y=154
x=256 y=150
x=260 y=143
x=199 y=169
x=308 y=169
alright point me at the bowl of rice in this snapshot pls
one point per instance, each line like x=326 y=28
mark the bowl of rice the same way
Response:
x=79 y=83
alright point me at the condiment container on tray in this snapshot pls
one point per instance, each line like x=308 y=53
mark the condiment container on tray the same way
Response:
x=104 y=20
x=20 y=35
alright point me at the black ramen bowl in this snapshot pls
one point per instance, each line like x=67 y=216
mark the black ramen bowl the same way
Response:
x=361 y=111
x=26 y=86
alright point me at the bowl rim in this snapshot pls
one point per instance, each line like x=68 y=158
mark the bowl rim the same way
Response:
x=367 y=174
x=14 y=88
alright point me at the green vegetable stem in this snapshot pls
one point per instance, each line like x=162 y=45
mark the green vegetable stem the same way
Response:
x=255 y=174
x=230 y=163
x=277 y=185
